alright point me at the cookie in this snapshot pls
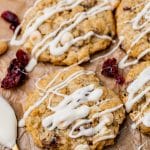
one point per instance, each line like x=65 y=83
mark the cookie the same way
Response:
x=71 y=110
x=133 y=25
x=65 y=32
x=137 y=96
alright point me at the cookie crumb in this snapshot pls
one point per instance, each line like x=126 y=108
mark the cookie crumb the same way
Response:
x=3 y=47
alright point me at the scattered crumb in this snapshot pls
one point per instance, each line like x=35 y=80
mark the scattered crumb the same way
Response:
x=3 y=47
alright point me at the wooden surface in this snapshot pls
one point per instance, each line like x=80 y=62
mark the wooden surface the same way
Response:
x=128 y=139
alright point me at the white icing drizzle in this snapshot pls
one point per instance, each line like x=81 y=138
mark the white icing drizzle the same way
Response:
x=61 y=50
x=36 y=54
x=107 y=111
x=143 y=14
x=136 y=25
x=140 y=36
x=106 y=137
x=104 y=119
x=32 y=63
x=68 y=110
x=145 y=120
x=139 y=118
x=30 y=9
x=111 y=52
x=124 y=64
x=47 y=13
x=56 y=51
x=53 y=34
x=8 y=125
x=50 y=90
x=144 y=77
x=73 y=108
x=57 y=75
x=143 y=108
x=135 y=86
x=59 y=33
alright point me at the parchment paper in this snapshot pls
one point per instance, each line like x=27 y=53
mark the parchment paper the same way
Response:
x=128 y=139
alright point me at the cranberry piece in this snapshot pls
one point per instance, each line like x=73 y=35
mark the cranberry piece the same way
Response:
x=14 y=64
x=120 y=80
x=110 y=68
x=22 y=57
x=13 y=79
x=16 y=74
x=11 y=18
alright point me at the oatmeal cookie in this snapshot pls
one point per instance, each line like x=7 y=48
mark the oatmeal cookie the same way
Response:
x=65 y=32
x=71 y=110
x=137 y=96
x=133 y=25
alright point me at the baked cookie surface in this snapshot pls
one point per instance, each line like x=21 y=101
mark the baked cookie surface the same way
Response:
x=65 y=32
x=133 y=25
x=71 y=110
x=137 y=96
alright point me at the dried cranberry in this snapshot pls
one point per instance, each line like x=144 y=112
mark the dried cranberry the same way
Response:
x=16 y=71
x=11 y=18
x=120 y=80
x=14 y=64
x=22 y=57
x=110 y=68
x=13 y=79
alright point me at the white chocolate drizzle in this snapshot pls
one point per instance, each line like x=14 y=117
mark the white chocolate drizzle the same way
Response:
x=50 y=90
x=73 y=109
x=135 y=86
x=124 y=64
x=145 y=120
x=111 y=52
x=144 y=28
x=106 y=137
x=56 y=51
x=57 y=75
x=143 y=14
x=52 y=40
x=68 y=110
x=140 y=116
x=104 y=120
x=140 y=36
x=47 y=13
x=135 y=89
x=107 y=111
